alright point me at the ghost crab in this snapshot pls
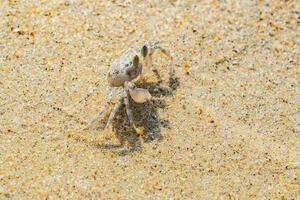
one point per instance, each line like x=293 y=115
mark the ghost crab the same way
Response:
x=127 y=68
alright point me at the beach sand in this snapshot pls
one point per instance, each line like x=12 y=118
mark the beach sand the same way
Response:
x=224 y=122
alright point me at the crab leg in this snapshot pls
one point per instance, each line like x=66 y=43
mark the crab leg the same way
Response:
x=157 y=46
x=96 y=116
x=129 y=112
x=148 y=61
x=113 y=113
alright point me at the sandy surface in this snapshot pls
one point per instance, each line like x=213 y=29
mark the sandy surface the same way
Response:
x=224 y=123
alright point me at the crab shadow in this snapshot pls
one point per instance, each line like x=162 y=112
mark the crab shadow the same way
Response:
x=145 y=115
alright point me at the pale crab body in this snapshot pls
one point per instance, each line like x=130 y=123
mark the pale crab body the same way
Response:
x=129 y=66
x=122 y=69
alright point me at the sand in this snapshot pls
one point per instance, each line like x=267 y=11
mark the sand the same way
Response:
x=224 y=122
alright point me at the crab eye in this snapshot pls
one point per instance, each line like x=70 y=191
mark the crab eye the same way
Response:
x=135 y=61
x=144 y=50
x=126 y=65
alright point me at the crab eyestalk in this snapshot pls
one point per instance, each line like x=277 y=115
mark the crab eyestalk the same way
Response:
x=135 y=62
x=147 y=60
x=135 y=70
x=144 y=51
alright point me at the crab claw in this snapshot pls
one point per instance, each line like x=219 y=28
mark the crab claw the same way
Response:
x=140 y=95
